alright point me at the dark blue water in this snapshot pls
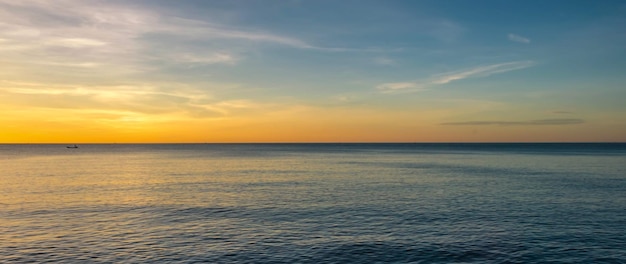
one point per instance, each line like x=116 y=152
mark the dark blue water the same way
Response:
x=313 y=203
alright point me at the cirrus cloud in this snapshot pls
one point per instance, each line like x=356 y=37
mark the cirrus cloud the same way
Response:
x=444 y=78
x=518 y=38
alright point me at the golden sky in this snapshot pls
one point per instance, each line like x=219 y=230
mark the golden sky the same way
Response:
x=311 y=71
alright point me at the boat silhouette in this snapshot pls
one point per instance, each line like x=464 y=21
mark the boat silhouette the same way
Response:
x=72 y=146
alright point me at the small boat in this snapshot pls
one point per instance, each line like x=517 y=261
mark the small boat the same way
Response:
x=72 y=146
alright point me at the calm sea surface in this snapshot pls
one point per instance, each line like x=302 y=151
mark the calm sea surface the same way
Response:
x=313 y=203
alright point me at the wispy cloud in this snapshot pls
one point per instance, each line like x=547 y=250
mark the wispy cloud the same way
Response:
x=102 y=36
x=94 y=57
x=384 y=61
x=444 y=78
x=75 y=42
x=444 y=30
x=399 y=86
x=518 y=38
x=481 y=71
x=139 y=98
x=540 y=122
x=114 y=36
x=203 y=59
x=198 y=29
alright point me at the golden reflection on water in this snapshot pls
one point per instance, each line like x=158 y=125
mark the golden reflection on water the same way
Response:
x=86 y=179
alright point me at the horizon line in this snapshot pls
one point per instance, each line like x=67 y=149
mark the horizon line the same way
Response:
x=321 y=142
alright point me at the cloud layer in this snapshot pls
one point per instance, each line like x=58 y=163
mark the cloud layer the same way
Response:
x=121 y=39
x=540 y=122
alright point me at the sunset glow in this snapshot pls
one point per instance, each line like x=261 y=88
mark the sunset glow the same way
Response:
x=312 y=71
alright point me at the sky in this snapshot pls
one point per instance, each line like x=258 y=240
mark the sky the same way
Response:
x=77 y=71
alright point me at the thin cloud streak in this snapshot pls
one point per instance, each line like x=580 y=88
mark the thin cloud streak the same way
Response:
x=540 y=122
x=481 y=71
x=518 y=38
x=198 y=29
x=444 y=78
x=394 y=87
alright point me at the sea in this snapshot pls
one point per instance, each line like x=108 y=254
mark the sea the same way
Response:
x=313 y=203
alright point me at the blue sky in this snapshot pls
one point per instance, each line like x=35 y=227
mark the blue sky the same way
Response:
x=314 y=70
